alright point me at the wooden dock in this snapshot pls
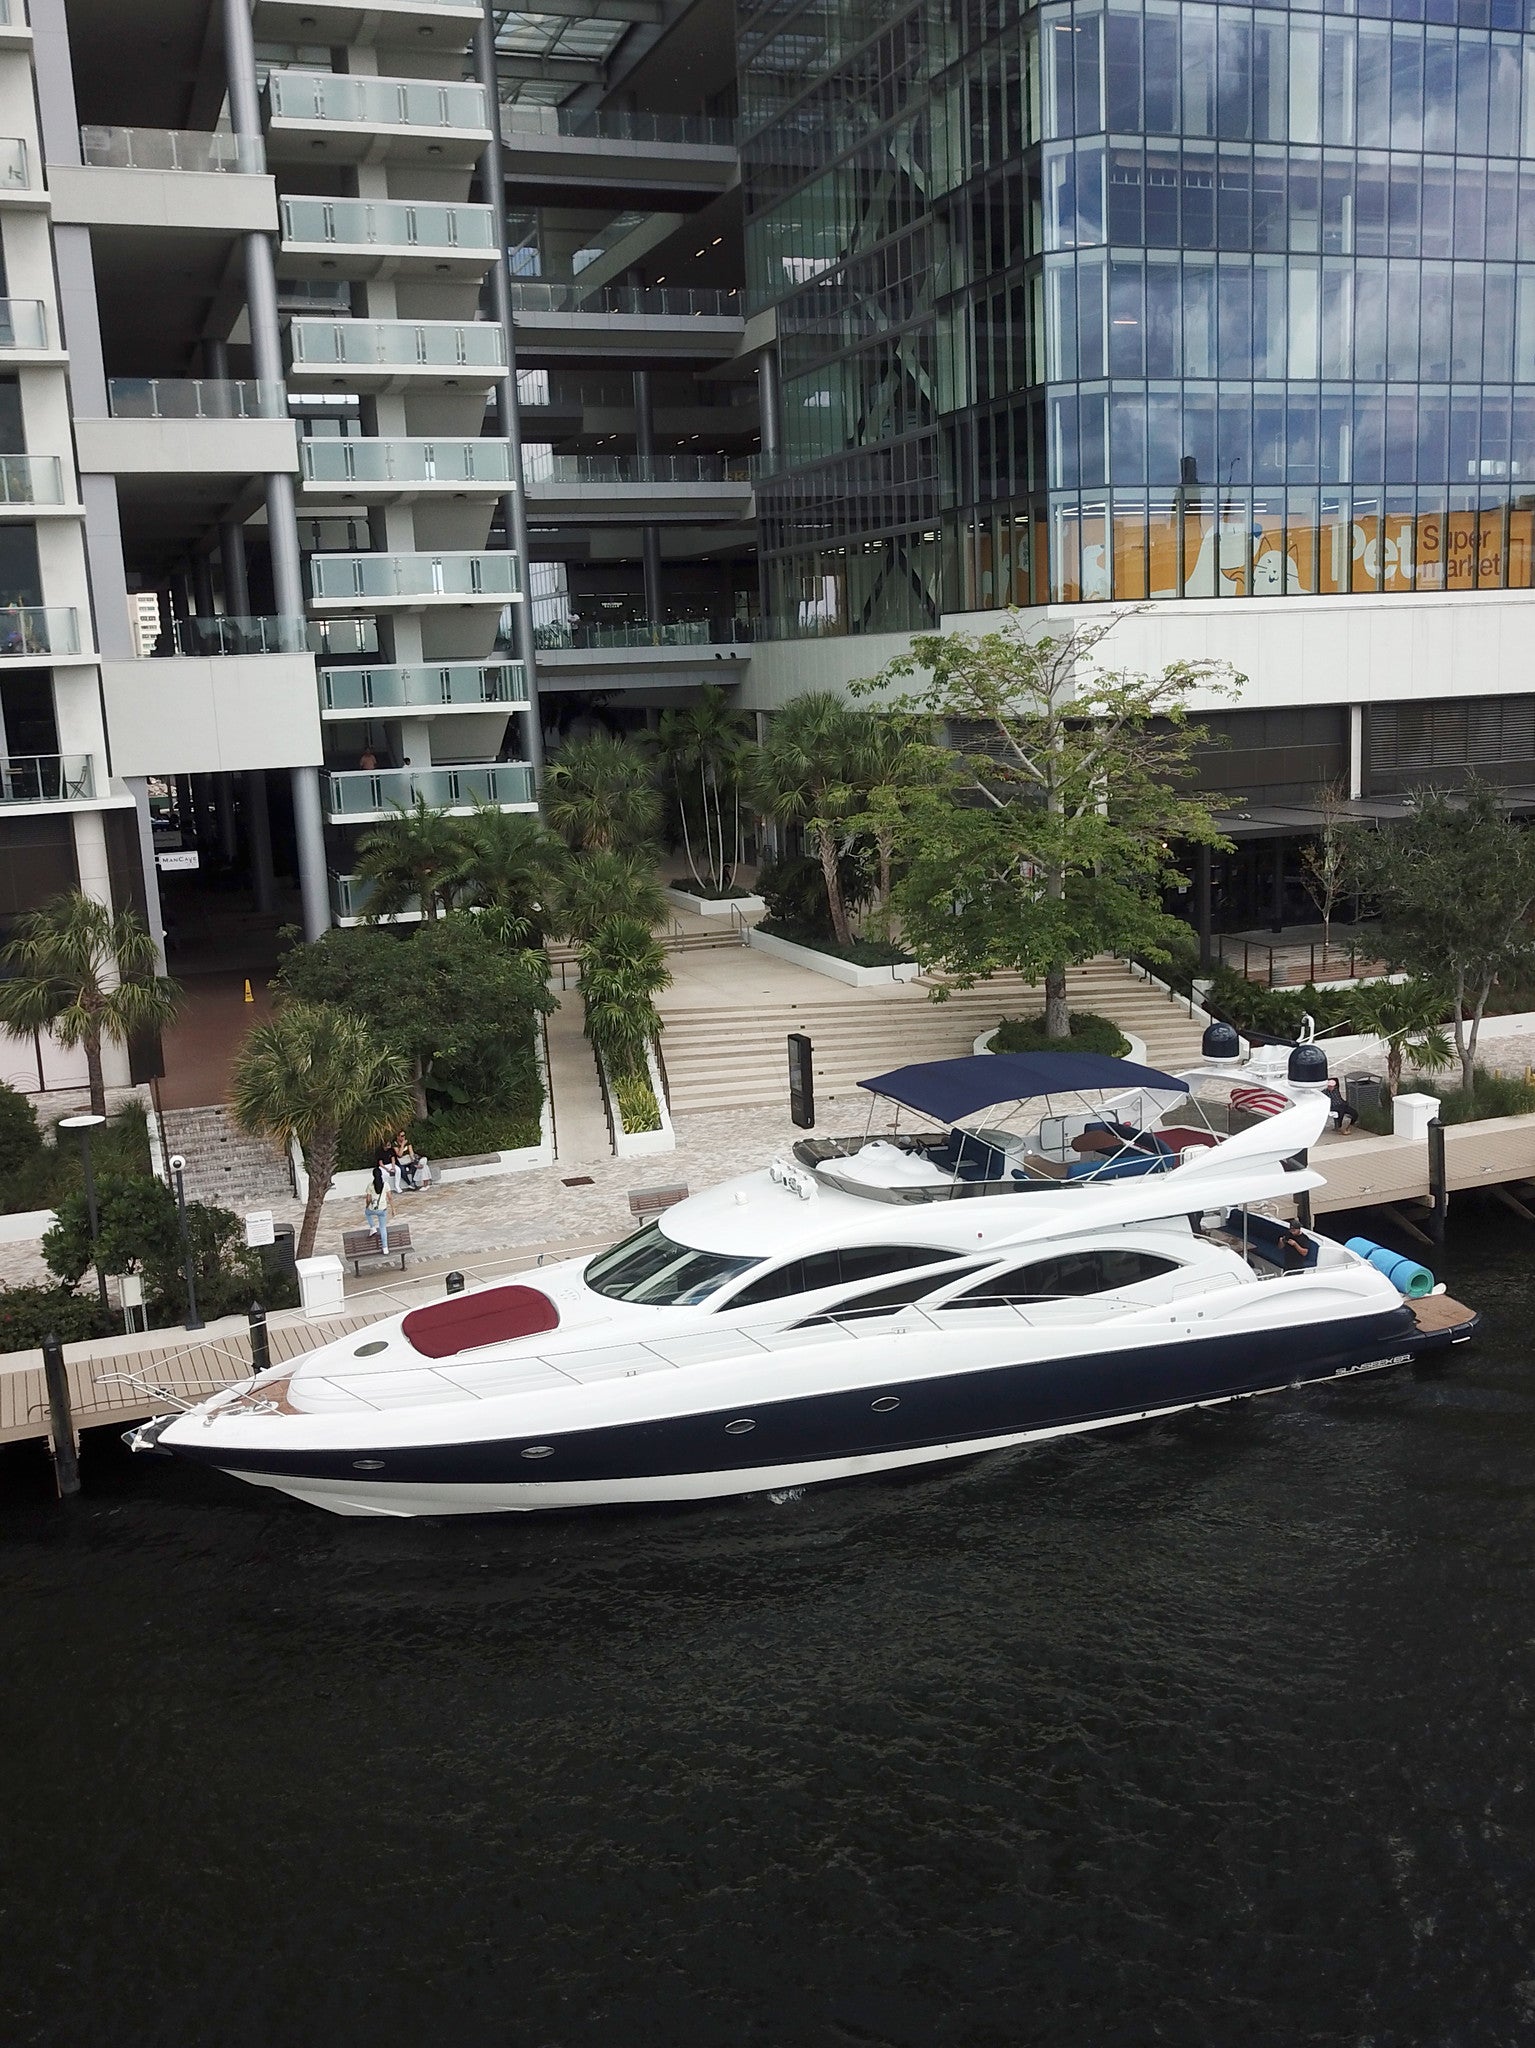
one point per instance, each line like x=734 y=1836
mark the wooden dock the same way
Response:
x=1496 y=1155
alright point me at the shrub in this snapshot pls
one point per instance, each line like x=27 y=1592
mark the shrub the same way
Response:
x=1089 y=1033
x=29 y=1314
x=140 y=1232
x=20 y=1139
x=40 y=1176
x=1492 y=1095
x=636 y=1101
x=489 y=1127
x=794 y=893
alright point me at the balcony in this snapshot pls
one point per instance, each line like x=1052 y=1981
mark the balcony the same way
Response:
x=29 y=632
x=194 y=398
x=361 y=793
x=349 y=467
x=23 y=326
x=350 y=896
x=47 y=779
x=31 y=480
x=665 y=152
x=405 y=581
x=170 y=149
x=614 y=488
x=559 y=634
x=14 y=174
x=228 y=634
x=354 y=118
x=377 y=238
x=395 y=355
x=435 y=25
x=627 y=323
x=677 y=654
x=451 y=686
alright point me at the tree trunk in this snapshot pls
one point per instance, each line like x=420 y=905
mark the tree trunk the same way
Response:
x=94 y=1074
x=1476 y=1025
x=1057 y=1015
x=826 y=847
x=886 y=860
x=320 y=1160
x=418 y=1085
x=1395 y=1051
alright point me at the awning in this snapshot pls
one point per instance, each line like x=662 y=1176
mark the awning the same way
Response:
x=950 y=1089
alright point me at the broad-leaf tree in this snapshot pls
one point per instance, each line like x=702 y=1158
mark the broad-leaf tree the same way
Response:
x=1324 y=861
x=317 y=1074
x=905 y=765
x=88 y=975
x=414 y=859
x=1071 y=783
x=601 y=792
x=814 y=769
x=706 y=755
x=1455 y=887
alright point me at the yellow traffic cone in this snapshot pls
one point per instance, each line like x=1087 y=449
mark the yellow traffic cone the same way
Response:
x=248 y=996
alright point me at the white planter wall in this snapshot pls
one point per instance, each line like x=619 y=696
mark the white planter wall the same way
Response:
x=828 y=964
x=642 y=1144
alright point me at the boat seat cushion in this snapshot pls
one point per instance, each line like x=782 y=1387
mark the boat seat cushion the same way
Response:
x=1265 y=1236
x=1180 y=1137
x=1129 y=1166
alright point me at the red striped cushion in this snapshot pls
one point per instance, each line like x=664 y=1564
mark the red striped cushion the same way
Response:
x=1260 y=1101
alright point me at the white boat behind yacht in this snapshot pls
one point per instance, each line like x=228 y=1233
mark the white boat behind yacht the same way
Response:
x=1062 y=1242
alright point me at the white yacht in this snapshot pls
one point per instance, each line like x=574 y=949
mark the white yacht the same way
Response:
x=1061 y=1242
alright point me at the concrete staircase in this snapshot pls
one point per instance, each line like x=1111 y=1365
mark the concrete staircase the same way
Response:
x=733 y=1056
x=223 y=1164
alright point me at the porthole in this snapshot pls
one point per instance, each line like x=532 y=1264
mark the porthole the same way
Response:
x=740 y=1426
x=367 y=1464
x=885 y=1403
x=538 y=1451
x=371 y=1350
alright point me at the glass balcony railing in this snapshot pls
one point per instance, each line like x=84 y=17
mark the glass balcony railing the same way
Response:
x=348 y=460
x=553 y=634
x=566 y=392
x=386 y=224
x=46 y=778
x=27 y=629
x=329 y=638
x=23 y=324
x=364 y=792
x=655 y=302
x=350 y=896
x=227 y=634
x=616 y=126
x=31 y=480
x=375 y=102
x=539 y=467
x=426 y=688
x=410 y=578
x=194 y=398
x=398 y=344
x=14 y=174
x=170 y=149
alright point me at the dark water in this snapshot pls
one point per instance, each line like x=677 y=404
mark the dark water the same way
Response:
x=1217 y=1732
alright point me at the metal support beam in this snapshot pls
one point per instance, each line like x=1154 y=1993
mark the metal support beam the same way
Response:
x=650 y=535
x=258 y=834
x=768 y=406
x=1202 y=907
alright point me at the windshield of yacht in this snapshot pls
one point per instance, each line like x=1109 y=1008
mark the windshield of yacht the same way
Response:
x=653 y=1268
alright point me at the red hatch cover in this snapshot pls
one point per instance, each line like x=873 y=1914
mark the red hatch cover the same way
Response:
x=465 y=1321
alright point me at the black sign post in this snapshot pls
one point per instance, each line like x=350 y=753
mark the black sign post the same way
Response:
x=801 y=1082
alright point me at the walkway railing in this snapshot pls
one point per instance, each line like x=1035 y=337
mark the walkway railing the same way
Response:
x=170 y=149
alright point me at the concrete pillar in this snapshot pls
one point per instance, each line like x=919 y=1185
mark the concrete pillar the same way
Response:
x=1356 y=750
x=1202 y=907
x=258 y=832
x=309 y=831
x=139 y=789
x=1276 y=922
x=508 y=411
x=224 y=804
x=650 y=536
x=202 y=587
x=767 y=407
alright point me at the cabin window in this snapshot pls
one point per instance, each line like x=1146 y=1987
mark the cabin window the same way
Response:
x=652 y=1268
x=1068 y=1274
x=836 y=1269
x=899 y=1294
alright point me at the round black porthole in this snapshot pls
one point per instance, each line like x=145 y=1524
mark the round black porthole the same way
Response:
x=370 y=1350
x=740 y=1426
x=885 y=1403
x=367 y=1464
x=539 y=1451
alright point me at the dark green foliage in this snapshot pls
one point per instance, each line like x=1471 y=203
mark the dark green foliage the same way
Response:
x=140 y=1233
x=1493 y=1095
x=794 y=892
x=19 y=1136
x=860 y=953
x=29 y=1314
x=1089 y=1033
x=41 y=1172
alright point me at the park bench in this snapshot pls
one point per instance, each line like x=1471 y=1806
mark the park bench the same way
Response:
x=646 y=1202
x=358 y=1245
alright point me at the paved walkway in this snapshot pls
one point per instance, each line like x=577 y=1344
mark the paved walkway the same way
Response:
x=580 y=1121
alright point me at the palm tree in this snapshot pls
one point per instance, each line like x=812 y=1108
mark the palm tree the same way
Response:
x=509 y=870
x=315 y=1073
x=706 y=755
x=600 y=793
x=1409 y=1019
x=412 y=858
x=87 y=976
x=623 y=970
x=813 y=769
x=903 y=761
x=602 y=886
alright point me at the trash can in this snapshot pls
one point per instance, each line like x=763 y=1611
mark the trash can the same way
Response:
x=279 y=1267
x=1365 y=1091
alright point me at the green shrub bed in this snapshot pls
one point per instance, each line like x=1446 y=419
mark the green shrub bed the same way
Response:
x=42 y=1172
x=29 y=1314
x=862 y=952
x=636 y=1101
x=1089 y=1033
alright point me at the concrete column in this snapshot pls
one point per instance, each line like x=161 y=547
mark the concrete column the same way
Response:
x=258 y=830
x=1202 y=910
x=224 y=804
x=767 y=406
x=650 y=536
x=309 y=831
x=237 y=595
x=508 y=411
x=1276 y=922
x=1356 y=750
x=139 y=789
x=202 y=587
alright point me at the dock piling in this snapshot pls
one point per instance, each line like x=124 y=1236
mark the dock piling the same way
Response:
x=261 y=1343
x=1438 y=1182
x=61 y=1421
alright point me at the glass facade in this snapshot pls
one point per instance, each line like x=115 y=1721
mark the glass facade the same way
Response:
x=1143 y=300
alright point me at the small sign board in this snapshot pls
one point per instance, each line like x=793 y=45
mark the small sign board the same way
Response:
x=178 y=862
x=801 y=1082
x=260 y=1227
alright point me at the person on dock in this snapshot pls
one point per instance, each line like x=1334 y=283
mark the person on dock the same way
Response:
x=1344 y=1114
x=378 y=1208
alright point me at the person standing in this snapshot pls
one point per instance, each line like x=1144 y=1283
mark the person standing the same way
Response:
x=378 y=1208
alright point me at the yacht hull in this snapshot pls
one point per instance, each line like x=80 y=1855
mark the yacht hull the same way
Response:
x=760 y=1444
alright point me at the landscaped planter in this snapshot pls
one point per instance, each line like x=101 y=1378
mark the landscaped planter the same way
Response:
x=25 y=1225
x=828 y=963
x=682 y=898
x=640 y=1144
x=1137 y=1046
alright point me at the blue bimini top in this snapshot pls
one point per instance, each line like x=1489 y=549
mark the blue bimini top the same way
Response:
x=949 y=1089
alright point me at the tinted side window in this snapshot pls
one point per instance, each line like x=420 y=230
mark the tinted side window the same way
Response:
x=1070 y=1274
x=836 y=1268
x=1127 y=1268
x=773 y=1286
x=899 y=1294
x=868 y=1261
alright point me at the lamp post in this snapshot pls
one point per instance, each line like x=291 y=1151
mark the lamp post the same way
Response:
x=85 y=1124
x=178 y=1167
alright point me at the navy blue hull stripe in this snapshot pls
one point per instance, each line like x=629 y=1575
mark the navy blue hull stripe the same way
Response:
x=916 y=1414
